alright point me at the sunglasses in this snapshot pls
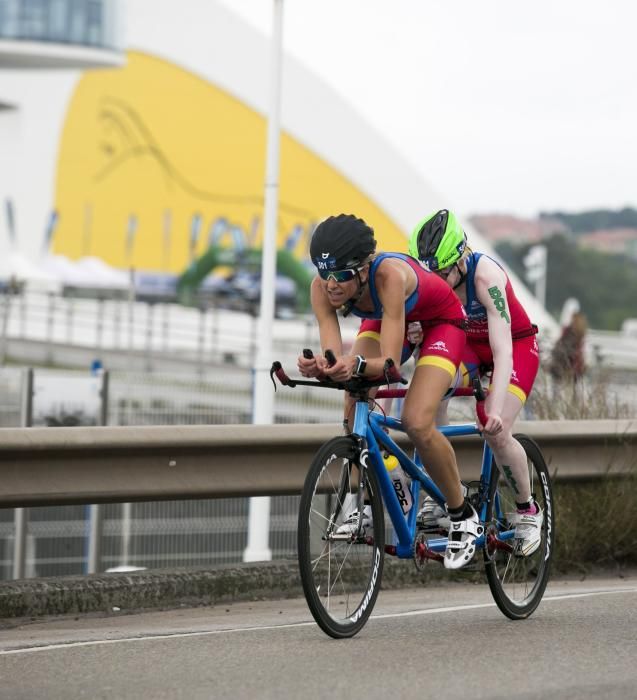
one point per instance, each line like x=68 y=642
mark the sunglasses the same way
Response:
x=445 y=272
x=337 y=275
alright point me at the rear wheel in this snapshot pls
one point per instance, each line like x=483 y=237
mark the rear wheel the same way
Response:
x=340 y=574
x=518 y=582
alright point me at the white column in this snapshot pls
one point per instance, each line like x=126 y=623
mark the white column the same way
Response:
x=263 y=396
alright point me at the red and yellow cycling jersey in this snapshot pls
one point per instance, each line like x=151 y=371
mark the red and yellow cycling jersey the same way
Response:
x=434 y=304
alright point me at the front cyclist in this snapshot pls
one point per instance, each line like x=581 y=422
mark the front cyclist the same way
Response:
x=388 y=290
x=500 y=340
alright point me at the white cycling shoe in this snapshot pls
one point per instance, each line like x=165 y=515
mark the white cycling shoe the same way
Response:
x=528 y=532
x=349 y=526
x=462 y=541
x=432 y=515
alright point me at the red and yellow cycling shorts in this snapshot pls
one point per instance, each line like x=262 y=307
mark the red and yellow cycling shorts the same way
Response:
x=442 y=344
x=526 y=362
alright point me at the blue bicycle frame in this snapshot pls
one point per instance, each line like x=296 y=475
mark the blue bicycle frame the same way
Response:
x=370 y=428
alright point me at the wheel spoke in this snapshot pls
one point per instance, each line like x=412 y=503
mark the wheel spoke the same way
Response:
x=518 y=582
x=337 y=572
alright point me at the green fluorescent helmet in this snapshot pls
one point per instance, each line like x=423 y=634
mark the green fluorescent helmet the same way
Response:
x=438 y=241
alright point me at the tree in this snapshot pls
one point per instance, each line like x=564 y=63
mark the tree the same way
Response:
x=605 y=285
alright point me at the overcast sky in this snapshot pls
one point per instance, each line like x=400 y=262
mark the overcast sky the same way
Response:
x=503 y=105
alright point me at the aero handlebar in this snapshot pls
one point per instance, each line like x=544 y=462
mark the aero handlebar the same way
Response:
x=391 y=375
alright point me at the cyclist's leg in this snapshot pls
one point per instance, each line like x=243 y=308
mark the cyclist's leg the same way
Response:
x=439 y=358
x=436 y=369
x=427 y=388
x=431 y=514
x=509 y=454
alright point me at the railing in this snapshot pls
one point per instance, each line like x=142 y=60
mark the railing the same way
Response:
x=148 y=332
x=199 y=336
x=109 y=465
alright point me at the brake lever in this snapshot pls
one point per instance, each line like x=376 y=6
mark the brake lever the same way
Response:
x=277 y=369
x=392 y=373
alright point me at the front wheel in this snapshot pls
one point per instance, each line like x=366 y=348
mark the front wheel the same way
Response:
x=518 y=582
x=340 y=573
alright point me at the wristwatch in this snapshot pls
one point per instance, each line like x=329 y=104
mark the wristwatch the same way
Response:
x=361 y=363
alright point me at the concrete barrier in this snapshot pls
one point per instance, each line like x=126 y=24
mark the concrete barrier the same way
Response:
x=40 y=466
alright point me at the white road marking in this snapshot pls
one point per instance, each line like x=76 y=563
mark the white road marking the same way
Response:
x=208 y=633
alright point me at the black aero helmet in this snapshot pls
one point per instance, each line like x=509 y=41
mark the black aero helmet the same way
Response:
x=342 y=242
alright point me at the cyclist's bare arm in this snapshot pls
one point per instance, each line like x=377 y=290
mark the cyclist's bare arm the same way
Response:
x=329 y=332
x=390 y=285
x=490 y=289
x=395 y=281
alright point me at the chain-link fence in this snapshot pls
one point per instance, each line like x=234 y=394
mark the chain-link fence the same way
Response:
x=164 y=534
x=150 y=535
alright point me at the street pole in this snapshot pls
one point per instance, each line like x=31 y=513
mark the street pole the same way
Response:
x=535 y=262
x=263 y=398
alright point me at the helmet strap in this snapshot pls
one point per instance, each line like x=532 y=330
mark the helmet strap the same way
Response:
x=463 y=276
x=351 y=303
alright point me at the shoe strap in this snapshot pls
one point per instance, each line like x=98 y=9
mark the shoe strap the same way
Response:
x=470 y=526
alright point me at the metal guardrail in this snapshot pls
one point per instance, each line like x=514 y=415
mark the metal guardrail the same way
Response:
x=39 y=466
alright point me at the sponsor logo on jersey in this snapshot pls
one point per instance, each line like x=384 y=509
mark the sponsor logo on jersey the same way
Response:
x=438 y=345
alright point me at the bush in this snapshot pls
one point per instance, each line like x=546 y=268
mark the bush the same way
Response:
x=596 y=524
x=589 y=399
x=596 y=521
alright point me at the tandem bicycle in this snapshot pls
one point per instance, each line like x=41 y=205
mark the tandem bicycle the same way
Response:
x=341 y=574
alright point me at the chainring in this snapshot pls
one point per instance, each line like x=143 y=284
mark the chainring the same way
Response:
x=420 y=562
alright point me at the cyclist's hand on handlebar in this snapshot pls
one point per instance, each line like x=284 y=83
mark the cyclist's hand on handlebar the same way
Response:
x=311 y=366
x=308 y=366
x=415 y=334
x=343 y=369
x=493 y=426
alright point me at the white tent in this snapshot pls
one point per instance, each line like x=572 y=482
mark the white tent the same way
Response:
x=102 y=274
x=17 y=267
x=88 y=272
x=66 y=271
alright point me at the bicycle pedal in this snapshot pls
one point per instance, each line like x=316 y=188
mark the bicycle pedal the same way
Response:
x=432 y=530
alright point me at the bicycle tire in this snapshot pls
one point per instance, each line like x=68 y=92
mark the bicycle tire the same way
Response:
x=518 y=583
x=340 y=577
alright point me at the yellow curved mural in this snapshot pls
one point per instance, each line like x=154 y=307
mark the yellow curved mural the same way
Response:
x=155 y=162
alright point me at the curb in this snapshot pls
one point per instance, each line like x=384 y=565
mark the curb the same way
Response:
x=173 y=588
x=162 y=588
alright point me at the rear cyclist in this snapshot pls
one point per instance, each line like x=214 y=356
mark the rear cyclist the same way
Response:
x=388 y=291
x=500 y=340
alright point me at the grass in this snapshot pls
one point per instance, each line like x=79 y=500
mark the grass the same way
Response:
x=596 y=524
x=596 y=521
x=591 y=399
